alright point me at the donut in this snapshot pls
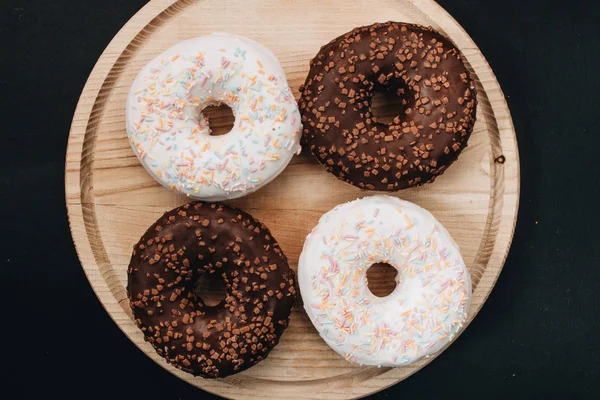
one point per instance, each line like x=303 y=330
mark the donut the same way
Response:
x=171 y=137
x=222 y=241
x=420 y=317
x=424 y=69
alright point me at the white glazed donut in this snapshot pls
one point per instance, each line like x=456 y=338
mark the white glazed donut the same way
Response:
x=171 y=137
x=426 y=309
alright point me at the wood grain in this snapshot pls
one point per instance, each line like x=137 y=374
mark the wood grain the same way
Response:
x=111 y=200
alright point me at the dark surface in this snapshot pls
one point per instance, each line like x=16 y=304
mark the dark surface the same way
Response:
x=538 y=336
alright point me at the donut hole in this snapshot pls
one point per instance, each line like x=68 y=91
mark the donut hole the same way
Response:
x=387 y=104
x=220 y=119
x=381 y=279
x=210 y=288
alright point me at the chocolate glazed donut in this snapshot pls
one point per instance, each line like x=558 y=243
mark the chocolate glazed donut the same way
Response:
x=438 y=96
x=201 y=238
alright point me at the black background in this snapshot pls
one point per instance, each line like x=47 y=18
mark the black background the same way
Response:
x=538 y=335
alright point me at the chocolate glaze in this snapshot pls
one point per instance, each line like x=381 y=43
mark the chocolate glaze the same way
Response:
x=201 y=238
x=438 y=95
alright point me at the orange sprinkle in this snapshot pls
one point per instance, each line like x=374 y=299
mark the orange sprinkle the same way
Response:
x=175 y=57
x=276 y=143
x=408 y=221
x=260 y=71
x=200 y=56
x=259 y=63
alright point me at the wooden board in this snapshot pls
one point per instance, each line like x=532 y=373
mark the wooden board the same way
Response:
x=112 y=200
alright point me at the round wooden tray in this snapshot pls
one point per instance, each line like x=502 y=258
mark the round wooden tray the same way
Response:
x=111 y=199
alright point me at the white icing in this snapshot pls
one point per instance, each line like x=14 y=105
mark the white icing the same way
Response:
x=172 y=139
x=426 y=309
